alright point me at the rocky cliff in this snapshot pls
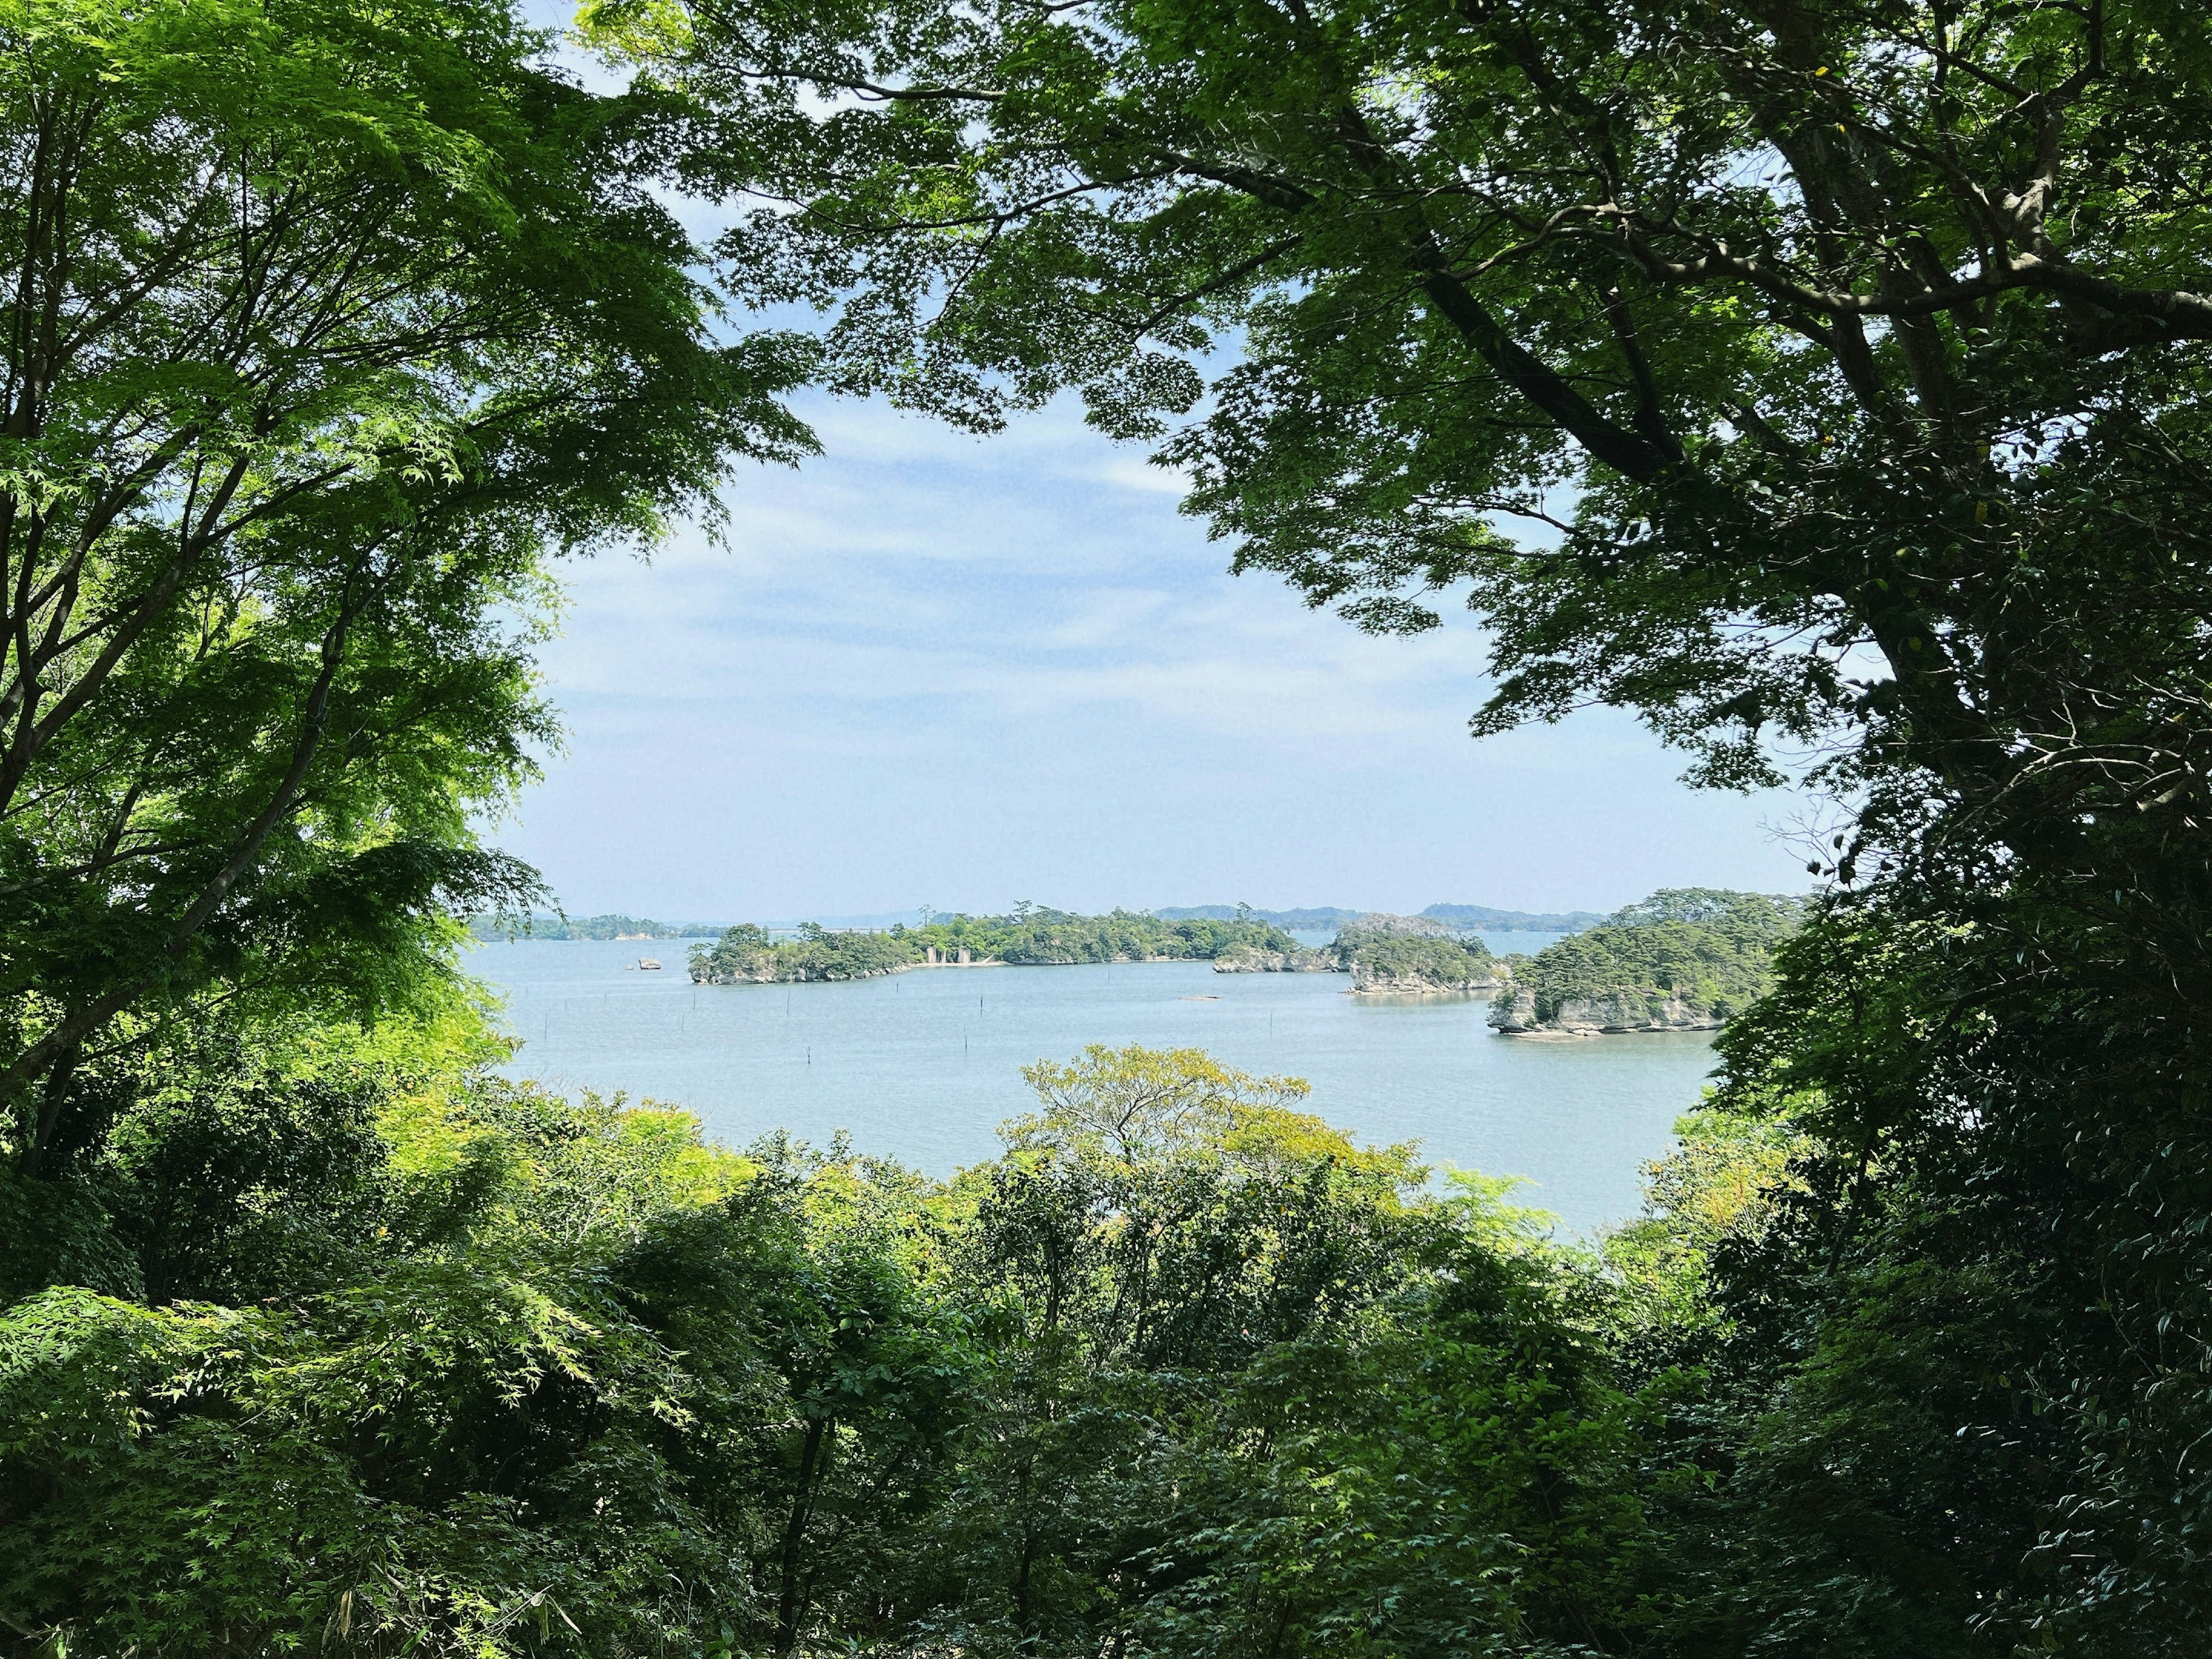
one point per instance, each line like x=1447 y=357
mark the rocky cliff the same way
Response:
x=1424 y=980
x=1251 y=959
x=1514 y=1014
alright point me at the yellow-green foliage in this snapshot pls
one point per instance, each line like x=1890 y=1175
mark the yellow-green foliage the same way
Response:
x=1116 y=1106
x=1722 y=1182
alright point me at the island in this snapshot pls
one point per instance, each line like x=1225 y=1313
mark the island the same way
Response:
x=1685 y=959
x=1032 y=936
x=1416 y=964
x=495 y=929
x=1451 y=918
x=1400 y=956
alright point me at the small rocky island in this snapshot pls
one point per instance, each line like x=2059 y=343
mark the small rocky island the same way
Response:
x=1426 y=967
x=1685 y=959
x=1386 y=955
x=1414 y=955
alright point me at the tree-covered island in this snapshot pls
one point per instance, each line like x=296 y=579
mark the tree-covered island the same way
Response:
x=1688 y=959
x=1420 y=965
x=1030 y=936
x=493 y=928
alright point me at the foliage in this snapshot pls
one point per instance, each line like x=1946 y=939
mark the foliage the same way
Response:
x=1716 y=1195
x=532 y=1388
x=1823 y=337
x=489 y=928
x=1379 y=924
x=1328 y=918
x=1035 y=935
x=1849 y=363
x=1186 y=1367
x=1313 y=919
x=331 y=325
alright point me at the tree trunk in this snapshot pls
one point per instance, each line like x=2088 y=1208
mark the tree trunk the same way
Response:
x=790 y=1605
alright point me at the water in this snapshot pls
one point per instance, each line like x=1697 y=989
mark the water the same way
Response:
x=924 y=1066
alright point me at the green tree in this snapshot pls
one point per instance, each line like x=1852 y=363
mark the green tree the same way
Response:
x=327 y=325
x=1818 y=335
x=398 y=1356
x=1456 y=1472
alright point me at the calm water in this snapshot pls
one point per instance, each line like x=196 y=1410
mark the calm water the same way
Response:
x=924 y=1066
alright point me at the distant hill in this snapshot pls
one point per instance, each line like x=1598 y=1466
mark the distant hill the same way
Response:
x=496 y=927
x=1464 y=917
x=1297 y=921
x=1512 y=921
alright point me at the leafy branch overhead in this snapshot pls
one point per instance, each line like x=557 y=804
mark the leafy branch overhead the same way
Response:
x=1754 y=366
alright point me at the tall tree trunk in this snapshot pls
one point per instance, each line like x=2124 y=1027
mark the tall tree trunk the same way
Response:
x=790 y=1604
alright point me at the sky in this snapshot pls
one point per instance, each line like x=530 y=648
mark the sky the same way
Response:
x=933 y=669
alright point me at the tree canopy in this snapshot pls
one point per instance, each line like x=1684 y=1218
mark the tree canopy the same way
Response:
x=327 y=325
x=1760 y=366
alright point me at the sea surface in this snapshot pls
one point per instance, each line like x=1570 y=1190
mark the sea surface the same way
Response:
x=924 y=1066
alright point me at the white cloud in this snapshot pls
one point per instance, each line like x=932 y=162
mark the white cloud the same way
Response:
x=1025 y=628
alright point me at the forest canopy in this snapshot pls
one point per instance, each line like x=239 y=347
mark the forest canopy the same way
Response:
x=1826 y=383
x=514 y=1374
x=332 y=327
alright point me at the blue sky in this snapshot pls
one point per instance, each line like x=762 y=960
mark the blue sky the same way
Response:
x=935 y=669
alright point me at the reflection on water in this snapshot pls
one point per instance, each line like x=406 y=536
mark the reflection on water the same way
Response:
x=924 y=1066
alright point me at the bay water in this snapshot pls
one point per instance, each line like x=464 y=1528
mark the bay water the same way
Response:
x=923 y=1066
